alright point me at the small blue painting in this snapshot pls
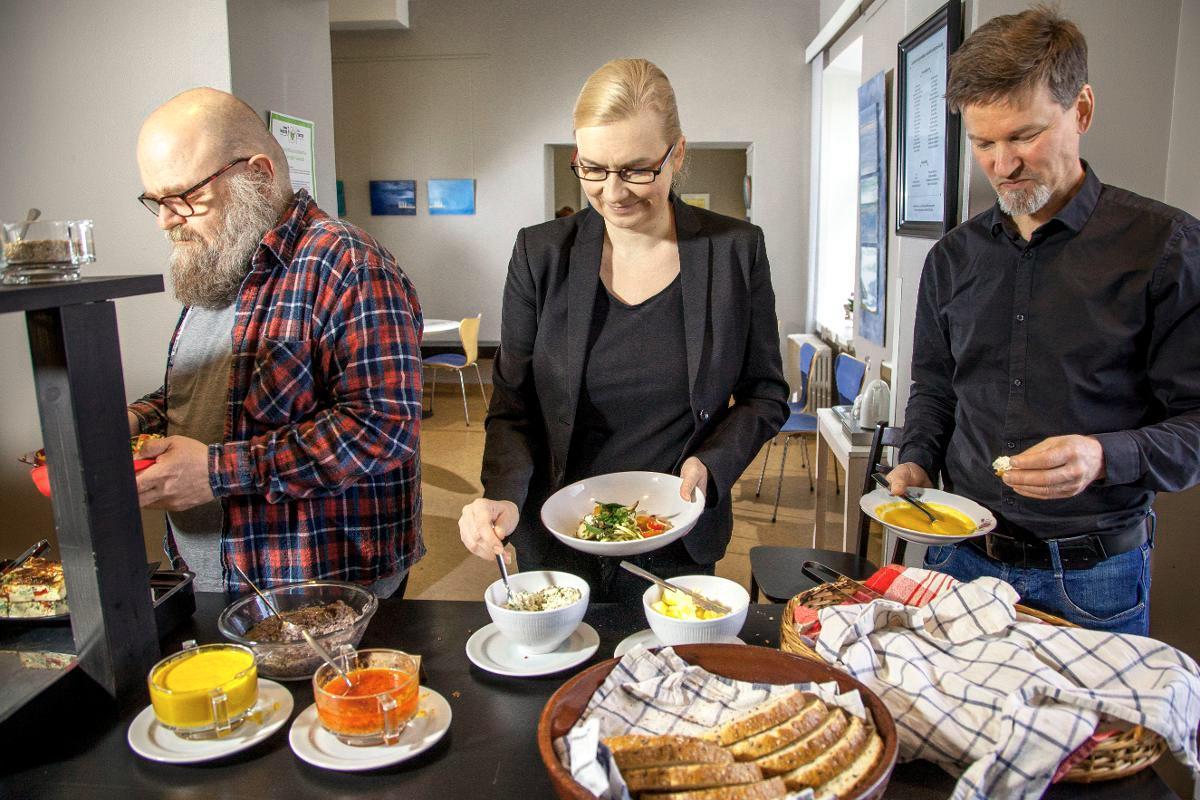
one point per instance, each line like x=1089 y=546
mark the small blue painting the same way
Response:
x=393 y=198
x=454 y=196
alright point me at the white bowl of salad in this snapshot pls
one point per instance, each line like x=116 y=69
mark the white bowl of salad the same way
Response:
x=621 y=513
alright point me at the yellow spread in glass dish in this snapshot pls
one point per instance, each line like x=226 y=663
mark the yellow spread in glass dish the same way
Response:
x=950 y=521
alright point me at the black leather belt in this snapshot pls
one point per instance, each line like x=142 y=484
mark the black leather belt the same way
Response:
x=1076 y=552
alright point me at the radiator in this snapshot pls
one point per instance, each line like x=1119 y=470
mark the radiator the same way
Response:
x=820 y=376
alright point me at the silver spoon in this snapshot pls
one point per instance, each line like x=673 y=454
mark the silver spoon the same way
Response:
x=882 y=481
x=30 y=216
x=259 y=592
x=504 y=577
x=326 y=657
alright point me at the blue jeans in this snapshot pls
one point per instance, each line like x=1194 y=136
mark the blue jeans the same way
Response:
x=1112 y=596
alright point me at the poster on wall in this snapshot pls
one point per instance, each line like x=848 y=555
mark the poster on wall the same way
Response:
x=393 y=198
x=295 y=136
x=927 y=136
x=872 y=208
x=451 y=196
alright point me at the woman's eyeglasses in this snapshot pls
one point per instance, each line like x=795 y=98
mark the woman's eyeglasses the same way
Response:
x=587 y=172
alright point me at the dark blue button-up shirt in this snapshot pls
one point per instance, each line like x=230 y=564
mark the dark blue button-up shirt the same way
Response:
x=1090 y=327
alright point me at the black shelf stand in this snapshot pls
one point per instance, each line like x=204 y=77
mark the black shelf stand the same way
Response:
x=81 y=402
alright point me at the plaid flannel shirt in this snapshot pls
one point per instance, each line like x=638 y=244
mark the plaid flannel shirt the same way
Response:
x=319 y=472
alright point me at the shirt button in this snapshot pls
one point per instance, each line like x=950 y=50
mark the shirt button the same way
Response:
x=1010 y=445
x=1020 y=317
x=1017 y=382
x=1009 y=501
x=704 y=415
x=1027 y=254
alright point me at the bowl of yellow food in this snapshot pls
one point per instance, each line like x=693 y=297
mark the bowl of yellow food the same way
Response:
x=956 y=517
x=675 y=618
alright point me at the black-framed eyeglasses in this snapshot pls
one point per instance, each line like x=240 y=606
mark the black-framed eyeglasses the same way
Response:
x=586 y=172
x=178 y=203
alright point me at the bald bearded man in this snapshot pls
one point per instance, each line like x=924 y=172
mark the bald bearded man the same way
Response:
x=292 y=401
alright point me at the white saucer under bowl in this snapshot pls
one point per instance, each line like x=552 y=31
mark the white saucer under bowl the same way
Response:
x=648 y=640
x=489 y=650
x=151 y=740
x=317 y=746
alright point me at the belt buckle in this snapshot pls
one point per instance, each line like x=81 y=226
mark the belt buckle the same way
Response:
x=1070 y=546
x=990 y=543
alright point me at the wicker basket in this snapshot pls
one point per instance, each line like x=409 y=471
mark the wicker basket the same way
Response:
x=1129 y=751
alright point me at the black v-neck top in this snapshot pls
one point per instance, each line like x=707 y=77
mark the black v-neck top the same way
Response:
x=634 y=409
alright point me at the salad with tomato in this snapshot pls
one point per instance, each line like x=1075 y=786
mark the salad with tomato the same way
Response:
x=613 y=522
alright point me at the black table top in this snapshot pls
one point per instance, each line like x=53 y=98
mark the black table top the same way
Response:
x=489 y=751
x=33 y=296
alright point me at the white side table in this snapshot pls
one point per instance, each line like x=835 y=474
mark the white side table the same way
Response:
x=853 y=459
x=439 y=326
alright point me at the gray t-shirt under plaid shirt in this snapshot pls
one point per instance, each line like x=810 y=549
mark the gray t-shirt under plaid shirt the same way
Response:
x=197 y=395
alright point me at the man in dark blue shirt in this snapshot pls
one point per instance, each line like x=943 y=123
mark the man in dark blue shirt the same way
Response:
x=1061 y=329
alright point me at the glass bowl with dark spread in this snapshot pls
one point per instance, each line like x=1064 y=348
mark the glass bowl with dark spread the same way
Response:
x=333 y=612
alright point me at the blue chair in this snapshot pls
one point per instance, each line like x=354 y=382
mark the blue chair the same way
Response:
x=468 y=334
x=798 y=425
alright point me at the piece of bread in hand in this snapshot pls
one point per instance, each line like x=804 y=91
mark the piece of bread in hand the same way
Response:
x=637 y=751
x=689 y=776
x=807 y=748
x=1001 y=465
x=785 y=733
x=761 y=717
x=770 y=789
x=846 y=783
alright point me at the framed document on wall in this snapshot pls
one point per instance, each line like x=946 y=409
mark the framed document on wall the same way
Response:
x=927 y=135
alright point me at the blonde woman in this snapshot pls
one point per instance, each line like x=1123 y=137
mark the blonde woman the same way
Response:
x=627 y=328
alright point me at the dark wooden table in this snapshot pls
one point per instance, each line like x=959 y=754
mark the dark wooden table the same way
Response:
x=490 y=750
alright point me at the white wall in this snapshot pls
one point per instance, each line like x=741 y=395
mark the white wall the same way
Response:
x=279 y=61
x=478 y=90
x=79 y=78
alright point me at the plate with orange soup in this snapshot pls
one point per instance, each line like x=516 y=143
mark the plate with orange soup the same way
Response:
x=958 y=518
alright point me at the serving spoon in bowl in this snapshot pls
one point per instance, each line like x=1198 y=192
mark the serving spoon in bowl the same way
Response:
x=882 y=481
x=700 y=600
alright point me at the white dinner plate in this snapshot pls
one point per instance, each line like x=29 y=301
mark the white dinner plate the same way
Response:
x=648 y=640
x=654 y=492
x=317 y=746
x=984 y=519
x=151 y=740
x=489 y=650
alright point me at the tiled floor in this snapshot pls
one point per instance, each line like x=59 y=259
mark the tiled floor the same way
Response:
x=451 y=455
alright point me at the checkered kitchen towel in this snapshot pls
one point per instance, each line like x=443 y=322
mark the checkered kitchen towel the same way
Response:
x=1003 y=701
x=659 y=693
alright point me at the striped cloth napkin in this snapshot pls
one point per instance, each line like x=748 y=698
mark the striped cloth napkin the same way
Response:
x=1002 y=702
x=659 y=693
x=910 y=586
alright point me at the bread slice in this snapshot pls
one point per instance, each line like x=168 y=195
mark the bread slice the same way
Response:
x=761 y=717
x=635 y=751
x=770 y=789
x=846 y=782
x=806 y=749
x=803 y=723
x=689 y=776
x=829 y=764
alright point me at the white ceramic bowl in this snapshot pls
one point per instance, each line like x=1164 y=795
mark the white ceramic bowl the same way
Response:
x=872 y=502
x=537 y=631
x=654 y=492
x=671 y=631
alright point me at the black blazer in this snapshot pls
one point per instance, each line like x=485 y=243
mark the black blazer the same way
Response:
x=732 y=351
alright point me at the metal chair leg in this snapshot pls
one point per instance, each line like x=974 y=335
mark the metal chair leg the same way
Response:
x=837 y=489
x=808 y=464
x=433 y=394
x=761 y=475
x=463 y=385
x=779 y=488
x=479 y=376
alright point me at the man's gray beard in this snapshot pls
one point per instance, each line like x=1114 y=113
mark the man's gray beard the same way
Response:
x=1023 y=202
x=209 y=275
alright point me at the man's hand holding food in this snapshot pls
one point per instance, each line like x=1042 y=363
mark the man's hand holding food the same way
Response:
x=178 y=479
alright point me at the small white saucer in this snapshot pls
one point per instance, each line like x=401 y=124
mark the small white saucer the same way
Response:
x=312 y=743
x=648 y=640
x=489 y=650
x=151 y=740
